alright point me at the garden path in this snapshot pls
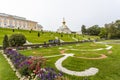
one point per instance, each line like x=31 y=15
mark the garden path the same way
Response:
x=75 y=39
x=88 y=72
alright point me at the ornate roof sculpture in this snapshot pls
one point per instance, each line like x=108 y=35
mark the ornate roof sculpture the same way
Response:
x=64 y=28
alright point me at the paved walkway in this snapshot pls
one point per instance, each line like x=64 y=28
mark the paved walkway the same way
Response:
x=88 y=72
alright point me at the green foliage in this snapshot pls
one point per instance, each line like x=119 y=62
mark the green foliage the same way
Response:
x=30 y=31
x=75 y=35
x=103 y=33
x=83 y=29
x=17 y=40
x=38 y=34
x=24 y=70
x=13 y=30
x=113 y=30
x=94 y=30
x=61 y=35
x=5 y=42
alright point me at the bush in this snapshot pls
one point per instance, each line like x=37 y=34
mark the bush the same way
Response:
x=17 y=40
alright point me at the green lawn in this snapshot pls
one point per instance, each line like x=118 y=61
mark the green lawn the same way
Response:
x=44 y=36
x=41 y=52
x=56 y=51
x=108 y=67
x=85 y=46
x=82 y=50
x=6 y=73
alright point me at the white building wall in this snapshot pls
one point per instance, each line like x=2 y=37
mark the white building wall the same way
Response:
x=11 y=21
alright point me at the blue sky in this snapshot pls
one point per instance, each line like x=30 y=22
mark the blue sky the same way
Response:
x=49 y=13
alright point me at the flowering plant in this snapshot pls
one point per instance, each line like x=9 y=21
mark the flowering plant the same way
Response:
x=48 y=74
x=15 y=57
x=32 y=67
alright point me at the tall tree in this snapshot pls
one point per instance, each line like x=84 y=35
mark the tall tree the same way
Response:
x=83 y=29
x=5 y=42
x=103 y=33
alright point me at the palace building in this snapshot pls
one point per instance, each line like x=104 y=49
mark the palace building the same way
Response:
x=64 y=28
x=11 y=21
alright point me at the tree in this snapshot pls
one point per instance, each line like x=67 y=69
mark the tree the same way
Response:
x=17 y=40
x=5 y=42
x=38 y=34
x=94 y=30
x=112 y=31
x=83 y=29
x=103 y=33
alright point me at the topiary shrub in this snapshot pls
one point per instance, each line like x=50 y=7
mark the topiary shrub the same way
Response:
x=30 y=31
x=5 y=42
x=38 y=34
x=13 y=30
x=17 y=40
x=61 y=35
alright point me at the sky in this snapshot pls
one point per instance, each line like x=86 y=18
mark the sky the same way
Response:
x=49 y=13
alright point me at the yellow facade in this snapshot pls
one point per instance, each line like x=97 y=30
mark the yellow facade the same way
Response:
x=10 y=21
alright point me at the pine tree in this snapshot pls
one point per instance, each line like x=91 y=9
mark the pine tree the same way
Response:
x=5 y=42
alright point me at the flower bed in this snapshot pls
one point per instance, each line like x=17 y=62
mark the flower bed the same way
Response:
x=31 y=67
